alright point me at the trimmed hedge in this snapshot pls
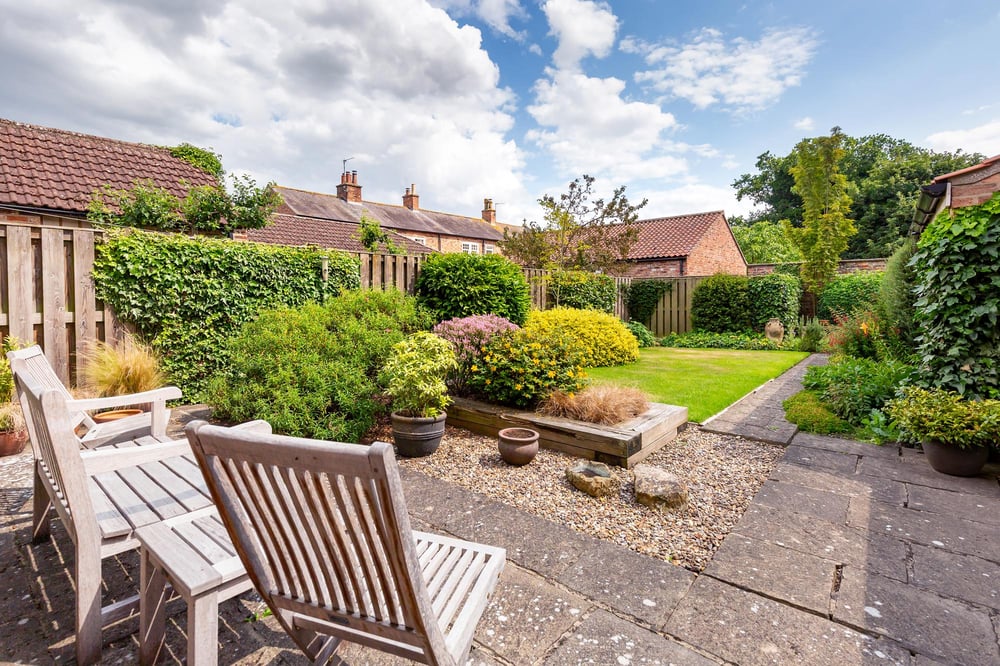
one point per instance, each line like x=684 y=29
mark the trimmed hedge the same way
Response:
x=582 y=290
x=720 y=304
x=462 y=285
x=705 y=340
x=774 y=296
x=188 y=296
x=847 y=294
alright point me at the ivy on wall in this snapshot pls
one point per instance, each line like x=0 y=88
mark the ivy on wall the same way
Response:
x=643 y=296
x=187 y=296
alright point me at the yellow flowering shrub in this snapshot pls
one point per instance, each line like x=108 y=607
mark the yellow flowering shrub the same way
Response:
x=601 y=339
x=520 y=368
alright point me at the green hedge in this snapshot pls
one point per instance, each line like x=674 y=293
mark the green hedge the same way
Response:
x=847 y=294
x=774 y=296
x=720 y=304
x=708 y=340
x=582 y=290
x=187 y=296
x=461 y=285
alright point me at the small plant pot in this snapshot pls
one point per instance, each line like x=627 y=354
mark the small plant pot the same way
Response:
x=115 y=415
x=417 y=436
x=518 y=446
x=955 y=461
x=12 y=443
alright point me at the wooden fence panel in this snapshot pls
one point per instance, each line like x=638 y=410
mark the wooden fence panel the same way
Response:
x=20 y=283
x=673 y=312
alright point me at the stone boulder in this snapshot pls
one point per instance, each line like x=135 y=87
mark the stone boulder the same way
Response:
x=659 y=489
x=591 y=477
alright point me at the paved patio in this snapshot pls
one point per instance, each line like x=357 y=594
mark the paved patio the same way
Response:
x=849 y=554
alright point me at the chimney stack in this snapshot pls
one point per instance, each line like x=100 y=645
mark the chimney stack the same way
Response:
x=349 y=190
x=411 y=199
x=489 y=212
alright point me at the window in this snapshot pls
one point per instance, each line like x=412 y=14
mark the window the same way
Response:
x=418 y=239
x=470 y=248
x=490 y=249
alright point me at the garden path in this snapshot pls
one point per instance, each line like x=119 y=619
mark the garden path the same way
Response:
x=849 y=554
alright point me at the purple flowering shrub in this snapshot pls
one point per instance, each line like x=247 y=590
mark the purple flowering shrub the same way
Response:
x=469 y=335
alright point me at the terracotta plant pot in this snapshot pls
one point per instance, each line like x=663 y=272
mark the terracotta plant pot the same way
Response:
x=955 y=461
x=115 y=414
x=518 y=446
x=12 y=443
x=417 y=436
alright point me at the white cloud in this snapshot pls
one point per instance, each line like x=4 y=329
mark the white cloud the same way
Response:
x=807 y=124
x=981 y=139
x=495 y=13
x=691 y=197
x=282 y=91
x=582 y=27
x=739 y=74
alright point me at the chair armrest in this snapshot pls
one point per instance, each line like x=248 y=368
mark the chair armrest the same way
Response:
x=156 y=395
x=109 y=460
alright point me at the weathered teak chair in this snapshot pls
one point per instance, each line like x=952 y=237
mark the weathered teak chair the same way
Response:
x=31 y=362
x=323 y=531
x=103 y=496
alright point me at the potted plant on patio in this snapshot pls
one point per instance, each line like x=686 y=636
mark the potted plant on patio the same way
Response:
x=414 y=377
x=13 y=432
x=129 y=367
x=955 y=432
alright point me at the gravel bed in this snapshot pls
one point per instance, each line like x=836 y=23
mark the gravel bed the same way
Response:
x=723 y=473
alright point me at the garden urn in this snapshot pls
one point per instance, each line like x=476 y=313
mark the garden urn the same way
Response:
x=518 y=446
x=417 y=436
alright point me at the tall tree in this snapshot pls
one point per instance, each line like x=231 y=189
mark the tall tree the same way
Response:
x=826 y=203
x=577 y=232
x=764 y=242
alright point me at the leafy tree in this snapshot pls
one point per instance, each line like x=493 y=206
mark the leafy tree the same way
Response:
x=578 y=233
x=771 y=188
x=764 y=242
x=826 y=199
x=372 y=236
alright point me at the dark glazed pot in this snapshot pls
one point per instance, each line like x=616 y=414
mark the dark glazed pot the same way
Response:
x=417 y=436
x=518 y=446
x=955 y=461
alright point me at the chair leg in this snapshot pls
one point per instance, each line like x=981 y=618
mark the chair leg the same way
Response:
x=203 y=630
x=88 y=606
x=152 y=609
x=40 y=505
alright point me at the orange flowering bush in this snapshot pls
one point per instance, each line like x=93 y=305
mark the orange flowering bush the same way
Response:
x=857 y=335
x=521 y=368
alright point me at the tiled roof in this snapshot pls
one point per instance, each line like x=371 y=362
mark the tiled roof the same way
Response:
x=676 y=236
x=54 y=169
x=295 y=230
x=975 y=167
x=332 y=207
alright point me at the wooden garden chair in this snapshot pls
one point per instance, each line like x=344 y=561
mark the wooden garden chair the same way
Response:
x=103 y=496
x=323 y=531
x=31 y=362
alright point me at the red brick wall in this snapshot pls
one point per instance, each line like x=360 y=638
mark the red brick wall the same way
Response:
x=662 y=268
x=845 y=266
x=716 y=252
x=973 y=194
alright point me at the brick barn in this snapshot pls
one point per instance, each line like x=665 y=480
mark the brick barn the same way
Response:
x=685 y=245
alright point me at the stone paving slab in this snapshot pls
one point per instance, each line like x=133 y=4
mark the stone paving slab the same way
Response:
x=975 y=508
x=604 y=639
x=841 y=463
x=784 y=527
x=527 y=615
x=964 y=577
x=947 y=532
x=803 y=499
x=633 y=584
x=840 y=445
x=744 y=628
x=922 y=621
x=914 y=469
x=774 y=571
x=883 y=490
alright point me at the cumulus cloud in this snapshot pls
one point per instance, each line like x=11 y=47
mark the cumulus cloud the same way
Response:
x=284 y=92
x=693 y=196
x=495 y=13
x=583 y=28
x=980 y=139
x=807 y=124
x=739 y=74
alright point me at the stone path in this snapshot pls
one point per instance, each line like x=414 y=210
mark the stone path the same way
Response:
x=849 y=554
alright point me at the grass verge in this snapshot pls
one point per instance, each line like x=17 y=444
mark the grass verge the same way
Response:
x=706 y=381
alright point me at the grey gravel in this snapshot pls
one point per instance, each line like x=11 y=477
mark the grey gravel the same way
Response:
x=722 y=473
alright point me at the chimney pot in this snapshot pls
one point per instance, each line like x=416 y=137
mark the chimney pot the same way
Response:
x=411 y=200
x=489 y=212
x=349 y=190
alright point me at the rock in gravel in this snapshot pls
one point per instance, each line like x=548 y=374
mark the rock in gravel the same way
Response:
x=659 y=489
x=593 y=478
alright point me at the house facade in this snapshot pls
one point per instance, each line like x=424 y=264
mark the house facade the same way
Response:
x=308 y=216
x=966 y=187
x=685 y=245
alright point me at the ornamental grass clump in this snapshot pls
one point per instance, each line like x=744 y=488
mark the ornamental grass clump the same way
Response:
x=468 y=336
x=601 y=339
x=606 y=404
x=130 y=367
x=523 y=367
x=414 y=375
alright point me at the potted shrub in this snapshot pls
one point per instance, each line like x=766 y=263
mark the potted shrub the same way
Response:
x=415 y=380
x=13 y=433
x=130 y=367
x=955 y=433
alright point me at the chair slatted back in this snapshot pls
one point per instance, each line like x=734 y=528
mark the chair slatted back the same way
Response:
x=322 y=529
x=58 y=448
x=31 y=362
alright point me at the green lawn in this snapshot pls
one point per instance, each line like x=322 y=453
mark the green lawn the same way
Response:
x=706 y=381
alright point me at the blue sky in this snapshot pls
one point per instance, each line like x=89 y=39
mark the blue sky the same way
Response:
x=507 y=99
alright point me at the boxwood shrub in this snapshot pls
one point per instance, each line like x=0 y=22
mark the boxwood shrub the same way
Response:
x=601 y=338
x=461 y=285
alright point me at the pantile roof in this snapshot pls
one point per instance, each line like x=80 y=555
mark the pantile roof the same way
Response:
x=42 y=167
x=975 y=167
x=295 y=230
x=332 y=207
x=676 y=236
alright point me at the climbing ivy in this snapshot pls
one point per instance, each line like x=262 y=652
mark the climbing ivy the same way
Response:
x=206 y=160
x=643 y=296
